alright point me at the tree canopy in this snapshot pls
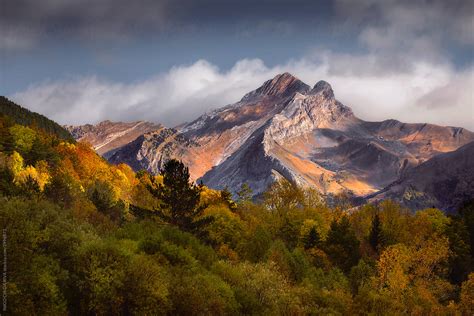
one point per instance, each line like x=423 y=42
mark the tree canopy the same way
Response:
x=84 y=237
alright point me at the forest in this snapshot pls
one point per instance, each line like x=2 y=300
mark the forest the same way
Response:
x=84 y=237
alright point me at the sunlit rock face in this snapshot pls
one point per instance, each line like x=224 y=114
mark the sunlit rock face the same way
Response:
x=107 y=136
x=287 y=129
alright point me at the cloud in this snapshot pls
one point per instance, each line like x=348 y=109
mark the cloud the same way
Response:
x=94 y=21
x=403 y=66
x=394 y=24
x=455 y=99
x=397 y=35
x=87 y=20
x=433 y=93
x=178 y=95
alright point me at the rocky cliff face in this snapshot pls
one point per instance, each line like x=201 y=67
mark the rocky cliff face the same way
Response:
x=107 y=136
x=287 y=129
x=151 y=150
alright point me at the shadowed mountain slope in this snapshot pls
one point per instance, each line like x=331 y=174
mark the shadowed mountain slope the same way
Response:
x=444 y=181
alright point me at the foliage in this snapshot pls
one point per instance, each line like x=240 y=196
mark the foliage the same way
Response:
x=179 y=198
x=23 y=138
x=25 y=117
x=342 y=245
x=376 y=235
x=84 y=237
x=312 y=239
x=245 y=193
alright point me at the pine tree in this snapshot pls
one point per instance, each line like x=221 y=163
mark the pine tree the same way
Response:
x=6 y=139
x=245 y=193
x=226 y=197
x=312 y=239
x=180 y=198
x=460 y=262
x=342 y=245
x=375 y=236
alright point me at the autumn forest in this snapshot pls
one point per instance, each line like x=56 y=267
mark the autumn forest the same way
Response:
x=84 y=237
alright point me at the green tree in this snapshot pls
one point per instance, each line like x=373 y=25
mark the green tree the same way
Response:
x=180 y=198
x=342 y=245
x=376 y=234
x=260 y=289
x=100 y=271
x=201 y=294
x=283 y=196
x=23 y=137
x=312 y=239
x=7 y=142
x=245 y=193
x=61 y=189
x=41 y=239
x=460 y=260
x=360 y=275
x=226 y=197
x=467 y=214
x=257 y=244
x=146 y=288
x=105 y=199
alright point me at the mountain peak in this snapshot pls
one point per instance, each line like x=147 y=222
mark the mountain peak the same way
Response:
x=324 y=87
x=282 y=85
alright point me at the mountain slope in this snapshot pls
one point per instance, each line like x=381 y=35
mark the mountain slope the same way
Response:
x=23 y=116
x=107 y=136
x=444 y=181
x=151 y=150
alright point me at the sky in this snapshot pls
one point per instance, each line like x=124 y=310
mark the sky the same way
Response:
x=169 y=61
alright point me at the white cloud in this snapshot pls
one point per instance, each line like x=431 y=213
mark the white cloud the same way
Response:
x=426 y=92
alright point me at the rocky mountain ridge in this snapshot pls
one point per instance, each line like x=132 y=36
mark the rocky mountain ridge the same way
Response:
x=287 y=129
x=107 y=136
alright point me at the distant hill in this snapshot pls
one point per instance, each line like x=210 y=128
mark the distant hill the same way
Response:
x=23 y=116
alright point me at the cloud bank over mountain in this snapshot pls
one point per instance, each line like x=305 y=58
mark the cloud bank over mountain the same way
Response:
x=427 y=93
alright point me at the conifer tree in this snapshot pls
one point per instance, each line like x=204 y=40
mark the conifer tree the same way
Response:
x=245 y=193
x=180 y=198
x=342 y=245
x=375 y=236
x=226 y=197
x=312 y=239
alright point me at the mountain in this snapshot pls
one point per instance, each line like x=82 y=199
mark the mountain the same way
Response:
x=285 y=128
x=107 y=136
x=22 y=116
x=151 y=150
x=444 y=181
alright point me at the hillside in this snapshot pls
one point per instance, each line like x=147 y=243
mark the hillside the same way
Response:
x=23 y=116
x=445 y=181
